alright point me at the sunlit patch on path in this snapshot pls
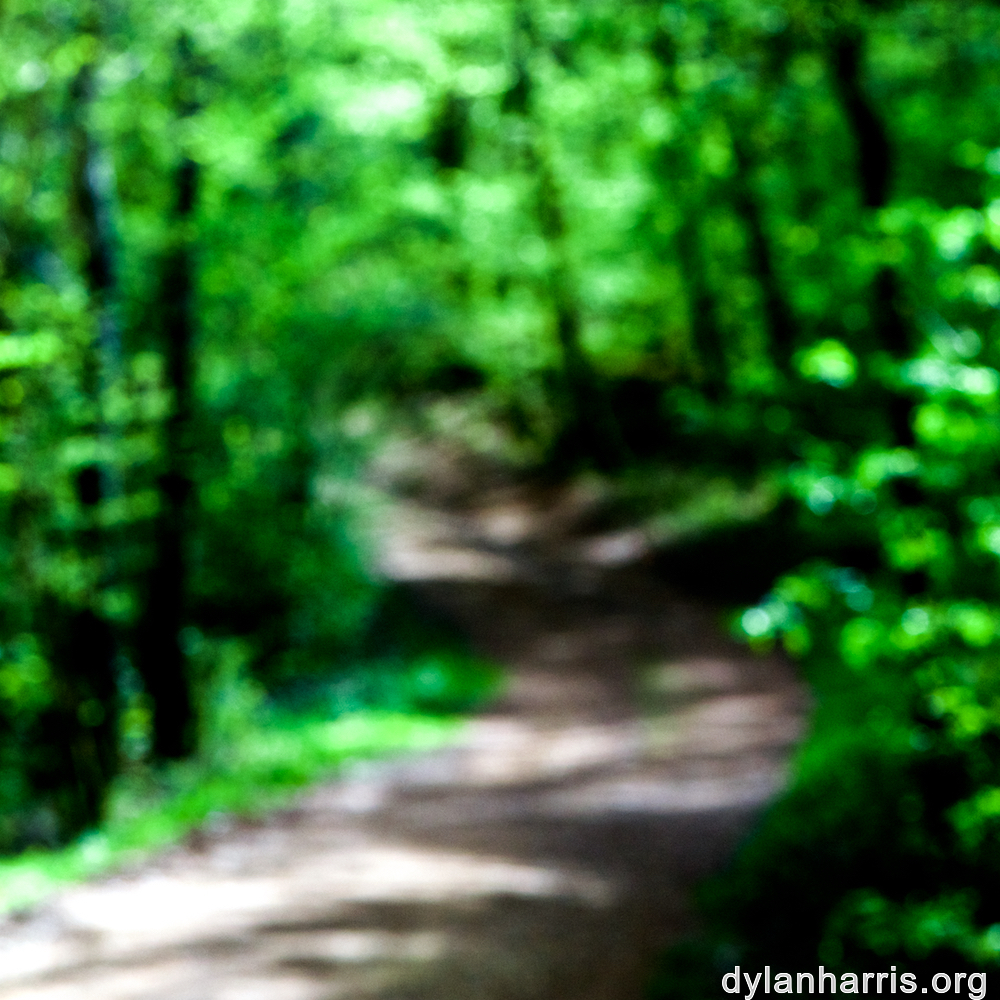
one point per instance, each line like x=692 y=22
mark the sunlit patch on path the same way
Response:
x=548 y=855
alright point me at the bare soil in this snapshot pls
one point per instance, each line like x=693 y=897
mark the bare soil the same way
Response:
x=547 y=856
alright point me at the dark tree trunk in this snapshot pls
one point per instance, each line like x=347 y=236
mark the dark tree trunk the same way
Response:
x=81 y=642
x=777 y=314
x=705 y=333
x=874 y=168
x=708 y=344
x=871 y=140
x=590 y=431
x=160 y=659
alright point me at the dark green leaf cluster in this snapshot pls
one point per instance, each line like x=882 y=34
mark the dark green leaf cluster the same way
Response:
x=870 y=178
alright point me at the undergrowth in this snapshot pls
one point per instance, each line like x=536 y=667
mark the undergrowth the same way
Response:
x=256 y=753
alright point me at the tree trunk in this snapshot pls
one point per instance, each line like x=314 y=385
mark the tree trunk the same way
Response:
x=674 y=164
x=874 y=166
x=160 y=658
x=590 y=432
x=777 y=314
x=81 y=641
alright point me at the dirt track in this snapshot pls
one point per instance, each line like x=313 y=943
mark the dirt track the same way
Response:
x=547 y=856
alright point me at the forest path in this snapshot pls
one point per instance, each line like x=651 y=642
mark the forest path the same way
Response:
x=547 y=856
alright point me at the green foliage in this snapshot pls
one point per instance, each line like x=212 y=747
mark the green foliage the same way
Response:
x=275 y=755
x=881 y=846
x=256 y=752
x=873 y=399
x=242 y=240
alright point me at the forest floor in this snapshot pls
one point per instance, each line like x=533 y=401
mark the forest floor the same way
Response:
x=550 y=854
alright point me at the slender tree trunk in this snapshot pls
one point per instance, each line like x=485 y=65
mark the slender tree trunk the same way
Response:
x=674 y=165
x=590 y=430
x=874 y=164
x=160 y=658
x=706 y=336
x=874 y=167
x=81 y=641
x=777 y=314
x=871 y=139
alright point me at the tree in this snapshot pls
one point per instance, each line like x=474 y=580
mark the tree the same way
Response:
x=160 y=659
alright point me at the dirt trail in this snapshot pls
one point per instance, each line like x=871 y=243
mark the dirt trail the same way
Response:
x=547 y=856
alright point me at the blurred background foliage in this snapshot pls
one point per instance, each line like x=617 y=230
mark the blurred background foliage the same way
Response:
x=738 y=258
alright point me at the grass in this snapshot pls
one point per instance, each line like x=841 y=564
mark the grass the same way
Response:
x=255 y=757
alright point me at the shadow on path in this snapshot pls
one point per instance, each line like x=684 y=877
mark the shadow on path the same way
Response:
x=547 y=856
